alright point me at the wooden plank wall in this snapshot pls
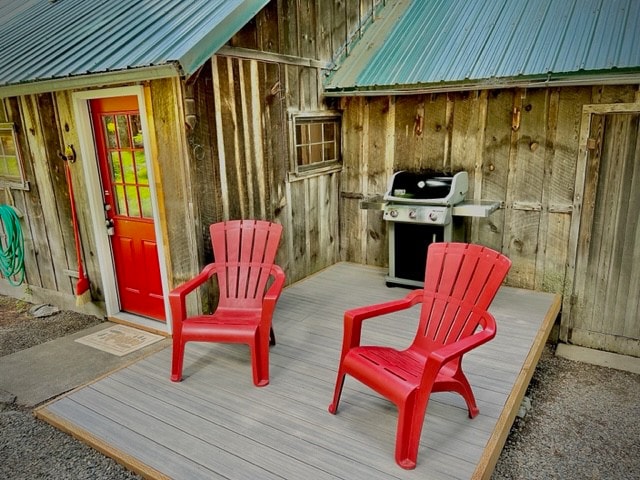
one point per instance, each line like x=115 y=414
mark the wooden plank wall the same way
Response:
x=240 y=152
x=42 y=123
x=178 y=210
x=520 y=147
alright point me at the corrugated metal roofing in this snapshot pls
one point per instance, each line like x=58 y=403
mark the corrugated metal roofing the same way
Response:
x=57 y=39
x=443 y=43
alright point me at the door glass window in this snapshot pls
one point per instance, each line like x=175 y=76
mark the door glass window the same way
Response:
x=128 y=165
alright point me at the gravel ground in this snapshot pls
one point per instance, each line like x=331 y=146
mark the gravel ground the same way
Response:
x=31 y=448
x=582 y=424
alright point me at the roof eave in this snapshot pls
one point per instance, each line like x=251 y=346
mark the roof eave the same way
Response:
x=88 y=80
x=558 y=80
x=216 y=38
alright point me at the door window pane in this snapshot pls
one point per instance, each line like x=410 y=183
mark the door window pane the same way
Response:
x=128 y=172
x=116 y=168
x=110 y=131
x=136 y=130
x=141 y=168
x=145 y=202
x=121 y=203
x=132 y=201
x=123 y=131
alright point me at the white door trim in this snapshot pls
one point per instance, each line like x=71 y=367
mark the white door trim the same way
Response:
x=96 y=207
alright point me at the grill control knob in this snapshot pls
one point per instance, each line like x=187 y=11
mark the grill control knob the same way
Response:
x=413 y=214
x=393 y=213
x=433 y=216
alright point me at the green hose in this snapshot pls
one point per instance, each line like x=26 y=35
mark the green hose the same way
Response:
x=11 y=246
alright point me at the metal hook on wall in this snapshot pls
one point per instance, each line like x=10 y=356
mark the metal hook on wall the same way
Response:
x=69 y=154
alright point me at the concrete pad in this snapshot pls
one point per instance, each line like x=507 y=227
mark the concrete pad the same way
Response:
x=598 y=357
x=45 y=371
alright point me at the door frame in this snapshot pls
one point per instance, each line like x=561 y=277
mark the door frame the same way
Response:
x=588 y=111
x=94 y=193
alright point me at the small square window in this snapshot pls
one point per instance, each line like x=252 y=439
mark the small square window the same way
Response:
x=11 y=169
x=316 y=142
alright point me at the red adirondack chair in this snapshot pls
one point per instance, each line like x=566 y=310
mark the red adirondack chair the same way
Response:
x=244 y=254
x=461 y=281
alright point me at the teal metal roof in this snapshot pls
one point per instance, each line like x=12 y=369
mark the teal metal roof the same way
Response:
x=57 y=43
x=449 y=44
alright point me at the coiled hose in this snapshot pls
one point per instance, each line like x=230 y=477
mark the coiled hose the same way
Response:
x=11 y=246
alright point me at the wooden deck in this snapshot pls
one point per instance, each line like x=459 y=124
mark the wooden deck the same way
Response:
x=216 y=424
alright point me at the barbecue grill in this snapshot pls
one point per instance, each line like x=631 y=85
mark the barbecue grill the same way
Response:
x=423 y=208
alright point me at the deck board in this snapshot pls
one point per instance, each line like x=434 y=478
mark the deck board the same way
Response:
x=216 y=424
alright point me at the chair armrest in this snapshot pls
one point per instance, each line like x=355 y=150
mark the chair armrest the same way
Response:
x=354 y=317
x=178 y=295
x=274 y=291
x=457 y=349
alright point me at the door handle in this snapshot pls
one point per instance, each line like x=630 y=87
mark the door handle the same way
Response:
x=110 y=227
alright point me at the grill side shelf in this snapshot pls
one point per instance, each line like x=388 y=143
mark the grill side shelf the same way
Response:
x=475 y=208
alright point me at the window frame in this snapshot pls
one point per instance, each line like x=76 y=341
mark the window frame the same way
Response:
x=298 y=172
x=5 y=182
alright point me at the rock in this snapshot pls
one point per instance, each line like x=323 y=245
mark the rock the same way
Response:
x=43 y=310
x=7 y=397
x=525 y=406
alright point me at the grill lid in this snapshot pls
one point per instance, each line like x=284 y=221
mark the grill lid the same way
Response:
x=427 y=188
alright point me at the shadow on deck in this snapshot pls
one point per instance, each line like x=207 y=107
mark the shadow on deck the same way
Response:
x=216 y=424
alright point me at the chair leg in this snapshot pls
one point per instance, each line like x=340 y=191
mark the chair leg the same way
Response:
x=458 y=383
x=463 y=387
x=272 y=337
x=410 y=420
x=177 y=358
x=260 y=359
x=333 y=408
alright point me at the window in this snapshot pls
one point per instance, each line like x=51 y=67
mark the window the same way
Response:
x=11 y=171
x=127 y=164
x=317 y=143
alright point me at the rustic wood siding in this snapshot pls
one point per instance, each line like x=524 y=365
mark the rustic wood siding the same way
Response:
x=50 y=257
x=69 y=136
x=314 y=29
x=240 y=155
x=241 y=159
x=177 y=209
x=520 y=147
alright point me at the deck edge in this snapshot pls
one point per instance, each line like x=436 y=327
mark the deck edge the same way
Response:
x=495 y=444
x=127 y=461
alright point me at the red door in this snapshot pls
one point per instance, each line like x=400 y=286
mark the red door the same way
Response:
x=127 y=200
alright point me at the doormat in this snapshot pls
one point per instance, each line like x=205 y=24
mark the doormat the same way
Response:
x=119 y=340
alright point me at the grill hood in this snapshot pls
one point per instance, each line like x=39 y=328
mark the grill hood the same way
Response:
x=427 y=188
